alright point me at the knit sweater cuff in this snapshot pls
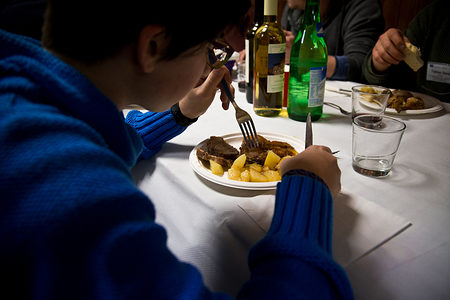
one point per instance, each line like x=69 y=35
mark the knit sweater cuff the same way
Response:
x=303 y=210
x=302 y=228
x=341 y=70
x=179 y=117
x=154 y=128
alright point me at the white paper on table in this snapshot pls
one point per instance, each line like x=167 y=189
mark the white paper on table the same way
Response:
x=359 y=226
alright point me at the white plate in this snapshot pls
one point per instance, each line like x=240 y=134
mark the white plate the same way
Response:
x=431 y=105
x=235 y=140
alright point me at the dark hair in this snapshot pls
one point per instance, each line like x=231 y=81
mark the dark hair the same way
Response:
x=92 y=30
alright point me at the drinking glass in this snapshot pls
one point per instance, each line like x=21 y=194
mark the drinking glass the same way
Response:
x=375 y=144
x=369 y=99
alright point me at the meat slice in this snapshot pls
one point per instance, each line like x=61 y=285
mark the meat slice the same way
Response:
x=259 y=154
x=215 y=148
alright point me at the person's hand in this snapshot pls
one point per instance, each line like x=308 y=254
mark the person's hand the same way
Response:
x=389 y=49
x=197 y=101
x=318 y=160
x=289 y=41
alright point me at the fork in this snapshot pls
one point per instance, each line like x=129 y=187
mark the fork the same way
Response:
x=244 y=120
x=338 y=107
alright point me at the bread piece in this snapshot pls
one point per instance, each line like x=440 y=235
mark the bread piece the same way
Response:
x=412 y=57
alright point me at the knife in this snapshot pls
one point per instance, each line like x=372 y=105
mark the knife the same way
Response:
x=308 y=135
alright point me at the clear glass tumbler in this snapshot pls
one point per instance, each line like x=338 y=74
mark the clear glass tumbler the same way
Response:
x=375 y=144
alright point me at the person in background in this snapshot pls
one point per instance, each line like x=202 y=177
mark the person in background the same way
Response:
x=351 y=28
x=23 y=17
x=73 y=225
x=430 y=32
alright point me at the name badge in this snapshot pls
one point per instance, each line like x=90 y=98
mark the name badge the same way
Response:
x=438 y=72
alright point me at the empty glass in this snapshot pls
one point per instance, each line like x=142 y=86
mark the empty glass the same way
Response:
x=375 y=143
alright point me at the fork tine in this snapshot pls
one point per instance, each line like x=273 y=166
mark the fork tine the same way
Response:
x=249 y=128
x=247 y=142
x=253 y=133
x=247 y=134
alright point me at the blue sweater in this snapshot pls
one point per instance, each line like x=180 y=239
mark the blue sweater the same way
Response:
x=74 y=226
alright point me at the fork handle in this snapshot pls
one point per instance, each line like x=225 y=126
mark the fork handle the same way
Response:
x=223 y=82
x=227 y=91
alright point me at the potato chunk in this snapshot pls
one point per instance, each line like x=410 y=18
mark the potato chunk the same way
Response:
x=277 y=167
x=257 y=177
x=245 y=176
x=271 y=159
x=216 y=169
x=256 y=167
x=239 y=162
x=234 y=174
x=272 y=175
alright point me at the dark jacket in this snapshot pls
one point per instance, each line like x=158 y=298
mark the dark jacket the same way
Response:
x=429 y=31
x=351 y=27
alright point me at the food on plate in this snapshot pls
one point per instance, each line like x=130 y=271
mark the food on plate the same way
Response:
x=272 y=159
x=239 y=162
x=244 y=170
x=404 y=100
x=398 y=99
x=412 y=57
x=368 y=89
x=372 y=90
x=216 y=169
x=259 y=154
x=260 y=164
x=217 y=150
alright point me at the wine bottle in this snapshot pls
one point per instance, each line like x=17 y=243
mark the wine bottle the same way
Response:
x=250 y=49
x=270 y=48
x=308 y=67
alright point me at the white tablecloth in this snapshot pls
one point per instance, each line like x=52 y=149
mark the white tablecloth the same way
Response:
x=213 y=227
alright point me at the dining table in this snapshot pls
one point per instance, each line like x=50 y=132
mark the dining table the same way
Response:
x=391 y=234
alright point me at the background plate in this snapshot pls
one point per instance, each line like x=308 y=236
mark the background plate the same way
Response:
x=431 y=105
x=235 y=140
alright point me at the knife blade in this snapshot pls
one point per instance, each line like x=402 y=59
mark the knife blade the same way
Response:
x=308 y=134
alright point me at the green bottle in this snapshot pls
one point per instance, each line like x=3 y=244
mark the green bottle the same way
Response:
x=308 y=67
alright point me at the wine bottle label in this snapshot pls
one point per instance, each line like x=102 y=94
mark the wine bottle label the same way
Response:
x=317 y=86
x=275 y=68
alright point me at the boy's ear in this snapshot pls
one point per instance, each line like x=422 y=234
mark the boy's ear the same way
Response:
x=151 y=45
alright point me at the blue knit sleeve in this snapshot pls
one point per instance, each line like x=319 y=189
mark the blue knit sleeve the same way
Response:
x=341 y=71
x=297 y=246
x=154 y=128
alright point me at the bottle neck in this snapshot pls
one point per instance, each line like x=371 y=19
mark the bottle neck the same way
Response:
x=312 y=13
x=270 y=19
x=270 y=9
x=259 y=11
